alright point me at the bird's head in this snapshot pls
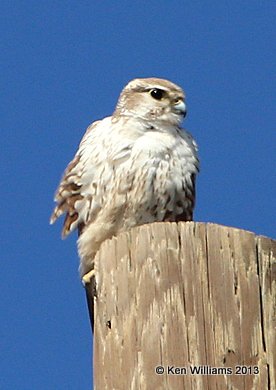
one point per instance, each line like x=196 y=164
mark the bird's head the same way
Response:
x=152 y=99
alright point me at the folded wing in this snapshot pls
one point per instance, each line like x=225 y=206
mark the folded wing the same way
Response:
x=81 y=192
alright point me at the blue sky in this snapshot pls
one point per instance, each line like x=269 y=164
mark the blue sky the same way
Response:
x=63 y=64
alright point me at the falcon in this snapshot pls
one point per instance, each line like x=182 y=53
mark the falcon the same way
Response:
x=135 y=167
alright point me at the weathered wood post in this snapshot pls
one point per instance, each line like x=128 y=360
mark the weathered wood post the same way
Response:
x=185 y=306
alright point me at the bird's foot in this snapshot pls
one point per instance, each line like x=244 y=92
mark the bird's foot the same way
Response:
x=86 y=279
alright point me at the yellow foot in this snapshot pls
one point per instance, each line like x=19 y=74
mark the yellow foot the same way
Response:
x=86 y=279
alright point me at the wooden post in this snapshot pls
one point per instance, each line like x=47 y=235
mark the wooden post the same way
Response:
x=185 y=306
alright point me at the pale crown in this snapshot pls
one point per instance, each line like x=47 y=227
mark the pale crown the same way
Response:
x=152 y=99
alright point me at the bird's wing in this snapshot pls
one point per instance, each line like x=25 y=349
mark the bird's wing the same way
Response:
x=81 y=192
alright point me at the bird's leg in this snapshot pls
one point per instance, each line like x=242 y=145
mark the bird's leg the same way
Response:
x=86 y=279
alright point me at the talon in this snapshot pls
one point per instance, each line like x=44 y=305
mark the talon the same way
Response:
x=86 y=279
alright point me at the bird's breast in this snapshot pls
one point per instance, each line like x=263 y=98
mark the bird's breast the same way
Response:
x=154 y=183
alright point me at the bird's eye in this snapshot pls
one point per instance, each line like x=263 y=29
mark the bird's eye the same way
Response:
x=157 y=94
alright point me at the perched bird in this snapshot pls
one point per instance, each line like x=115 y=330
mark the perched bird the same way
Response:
x=135 y=167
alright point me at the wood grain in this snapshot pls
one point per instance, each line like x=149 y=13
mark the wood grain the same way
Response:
x=188 y=296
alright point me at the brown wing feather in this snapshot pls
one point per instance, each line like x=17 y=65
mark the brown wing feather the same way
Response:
x=67 y=194
x=77 y=195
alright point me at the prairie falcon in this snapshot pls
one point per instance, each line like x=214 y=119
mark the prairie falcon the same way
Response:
x=135 y=167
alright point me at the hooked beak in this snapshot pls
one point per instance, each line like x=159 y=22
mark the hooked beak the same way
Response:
x=180 y=108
